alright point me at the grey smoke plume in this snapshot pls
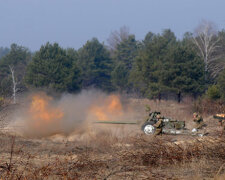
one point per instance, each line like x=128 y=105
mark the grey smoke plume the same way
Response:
x=77 y=117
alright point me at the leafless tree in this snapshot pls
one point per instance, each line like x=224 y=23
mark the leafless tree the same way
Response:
x=216 y=67
x=118 y=36
x=14 y=88
x=207 y=41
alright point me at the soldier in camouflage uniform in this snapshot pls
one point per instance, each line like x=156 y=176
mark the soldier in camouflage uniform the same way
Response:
x=158 y=125
x=198 y=121
x=222 y=123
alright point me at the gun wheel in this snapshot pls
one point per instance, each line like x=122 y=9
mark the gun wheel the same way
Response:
x=149 y=129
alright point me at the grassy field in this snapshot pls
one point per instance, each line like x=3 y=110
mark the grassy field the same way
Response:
x=117 y=151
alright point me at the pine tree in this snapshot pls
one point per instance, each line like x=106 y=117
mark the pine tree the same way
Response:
x=96 y=65
x=53 y=68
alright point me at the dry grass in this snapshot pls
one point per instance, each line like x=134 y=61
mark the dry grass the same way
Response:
x=115 y=153
x=107 y=157
x=207 y=106
x=181 y=111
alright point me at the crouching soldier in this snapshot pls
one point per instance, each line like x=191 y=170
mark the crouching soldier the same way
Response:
x=158 y=125
x=199 y=124
x=222 y=123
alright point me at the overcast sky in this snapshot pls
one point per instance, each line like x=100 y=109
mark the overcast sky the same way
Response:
x=71 y=23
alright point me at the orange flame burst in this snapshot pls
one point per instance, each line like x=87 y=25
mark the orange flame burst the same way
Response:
x=111 y=107
x=42 y=114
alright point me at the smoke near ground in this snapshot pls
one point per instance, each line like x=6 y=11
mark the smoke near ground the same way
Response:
x=44 y=116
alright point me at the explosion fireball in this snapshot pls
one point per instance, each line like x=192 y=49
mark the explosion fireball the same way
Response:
x=43 y=115
x=109 y=109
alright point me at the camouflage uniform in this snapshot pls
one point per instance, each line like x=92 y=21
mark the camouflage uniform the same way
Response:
x=222 y=123
x=198 y=121
x=158 y=126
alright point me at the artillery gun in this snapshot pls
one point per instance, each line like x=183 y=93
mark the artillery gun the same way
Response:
x=170 y=126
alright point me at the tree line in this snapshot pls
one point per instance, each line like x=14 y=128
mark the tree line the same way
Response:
x=157 y=66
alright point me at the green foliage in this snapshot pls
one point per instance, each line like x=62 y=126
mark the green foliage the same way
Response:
x=53 y=68
x=166 y=65
x=184 y=71
x=124 y=56
x=6 y=86
x=74 y=79
x=221 y=83
x=18 y=58
x=72 y=53
x=160 y=64
x=126 y=51
x=3 y=51
x=213 y=92
x=96 y=65
x=120 y=76
x=1 y=101
x=147 y=70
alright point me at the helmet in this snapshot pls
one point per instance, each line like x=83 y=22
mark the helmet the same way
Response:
x=147 y=108
x=158 y=116
x=195 y=114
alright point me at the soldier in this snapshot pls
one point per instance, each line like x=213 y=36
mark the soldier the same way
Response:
x=222 y=123
x=147 y=108
x=198 y=121
x=158 y=125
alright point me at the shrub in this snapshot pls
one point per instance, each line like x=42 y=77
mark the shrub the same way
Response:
x=207 y=106
x=221 y=84
x=213 y=92
x=1 y=101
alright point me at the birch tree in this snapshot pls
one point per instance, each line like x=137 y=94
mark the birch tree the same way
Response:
x=207 y=42
x=14 y=87
x=12 y=71
x=218 y=65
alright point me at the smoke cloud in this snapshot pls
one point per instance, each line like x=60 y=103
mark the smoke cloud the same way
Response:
x=44 y=116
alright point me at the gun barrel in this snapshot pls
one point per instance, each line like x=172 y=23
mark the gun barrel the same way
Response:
x=114 y=122
x=219 y=116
